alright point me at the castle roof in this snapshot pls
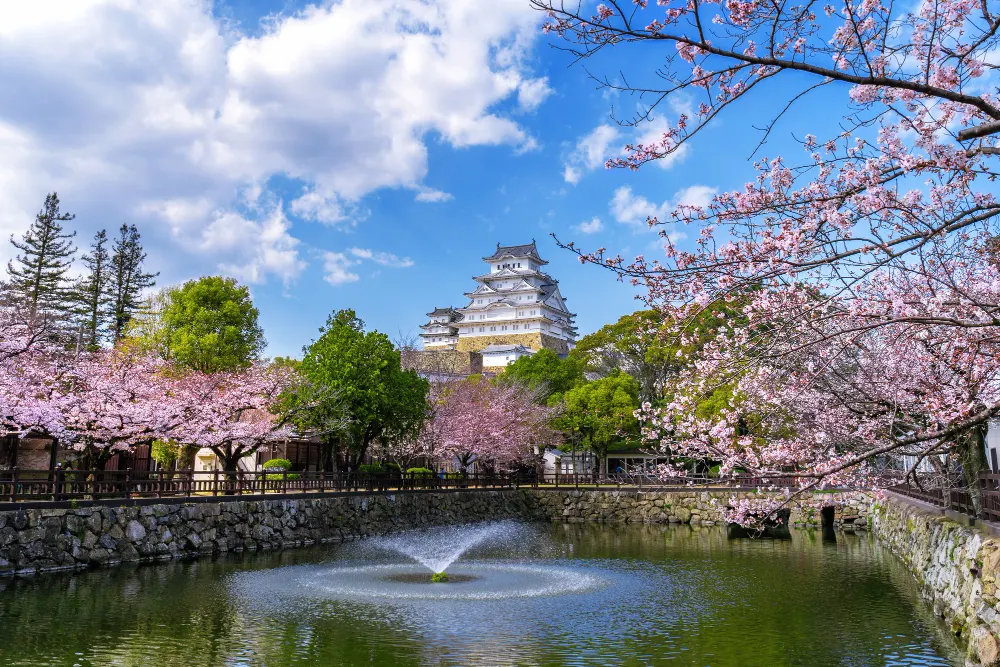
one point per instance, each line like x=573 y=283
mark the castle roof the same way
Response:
x=506 y=348
x=441 y=311
x=525 y=250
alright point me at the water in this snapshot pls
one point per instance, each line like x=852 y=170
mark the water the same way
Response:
x=438 y=549
x=534 y=595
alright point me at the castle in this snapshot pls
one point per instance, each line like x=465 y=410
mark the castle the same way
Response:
x=515 y=310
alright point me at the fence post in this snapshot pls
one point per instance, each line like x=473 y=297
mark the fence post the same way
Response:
x=215 y=482
x=13 y=486
x=284 y=482
x=128 y=476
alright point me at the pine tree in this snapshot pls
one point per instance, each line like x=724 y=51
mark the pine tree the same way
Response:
x=38 y=275
x=127 y=280
x=91 y=294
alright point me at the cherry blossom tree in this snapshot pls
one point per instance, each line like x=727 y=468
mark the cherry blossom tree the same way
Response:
x=230 y=412
x=867 y=269
x=26 y=373
x=494 y=425
x=111 y=401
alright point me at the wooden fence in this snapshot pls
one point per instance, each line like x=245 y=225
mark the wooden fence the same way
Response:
x=62 y=485
x=958 y=498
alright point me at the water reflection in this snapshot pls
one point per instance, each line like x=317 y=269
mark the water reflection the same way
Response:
x=677 y=595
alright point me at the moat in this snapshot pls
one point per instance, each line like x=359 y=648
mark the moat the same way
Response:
x=539 y=594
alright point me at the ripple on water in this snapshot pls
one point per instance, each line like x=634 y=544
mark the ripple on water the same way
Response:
x=471 y=580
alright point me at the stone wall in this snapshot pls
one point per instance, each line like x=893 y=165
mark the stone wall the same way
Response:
x=957 y=566
x=851 y=509
x=34 y=540
x=536 y=340
x=442 y=362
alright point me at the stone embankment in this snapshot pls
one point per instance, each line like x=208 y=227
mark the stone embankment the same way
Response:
x=851 y=509
x=35 y=540
x=957 y=566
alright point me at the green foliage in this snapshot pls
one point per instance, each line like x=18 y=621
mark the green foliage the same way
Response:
x=277 y=464
x=165 y=452
x=90 y=293
x=210 y=324
x=371 y=469
x=126 y=280
x=419 y=472
x=288 y=476
x=37 y=276
x=363 y=378
x=599 y=415
x=545 y=372
x=439 y=577
x=645 y=346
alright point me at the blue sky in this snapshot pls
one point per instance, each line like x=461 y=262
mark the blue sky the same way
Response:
x=364 y=154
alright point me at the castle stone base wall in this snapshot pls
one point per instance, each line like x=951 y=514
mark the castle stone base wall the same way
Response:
x=536 y=340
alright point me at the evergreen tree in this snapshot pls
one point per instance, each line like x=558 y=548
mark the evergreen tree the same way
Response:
x=92 y=293
x=127 y=280
x=37 y=276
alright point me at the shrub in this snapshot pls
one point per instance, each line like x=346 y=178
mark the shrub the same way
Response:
x=419 y=472
x=292 y=476
x=278 y=464
x=371 y=469
x=164 y=452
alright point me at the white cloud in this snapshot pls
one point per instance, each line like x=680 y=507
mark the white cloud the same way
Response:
x=631 y=209
x=337 y=266
x=591 y=151
x=695 y=195
x=431 y=195
x=532 y=92
x=652 y=133
x=383 y=258
x=591 y=226
x=167 y=115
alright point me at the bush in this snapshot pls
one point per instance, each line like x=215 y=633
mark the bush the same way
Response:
x=371 y=469
x=391 y=467
x=419 y=472
x=278 y=464
x=164 y=452
x=291 y=477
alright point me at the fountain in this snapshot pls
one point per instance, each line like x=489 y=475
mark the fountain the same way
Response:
x=436 y=567
x=438 y=549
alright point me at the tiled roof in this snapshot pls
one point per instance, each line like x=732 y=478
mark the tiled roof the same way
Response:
x=441 y=311
x=526 y=250
x=505 y=348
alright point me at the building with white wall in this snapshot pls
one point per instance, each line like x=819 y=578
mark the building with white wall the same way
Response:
x=515 y=303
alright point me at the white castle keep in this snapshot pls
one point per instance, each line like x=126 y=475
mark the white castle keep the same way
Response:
x=516 y=309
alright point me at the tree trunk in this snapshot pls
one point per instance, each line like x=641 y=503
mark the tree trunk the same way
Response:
x=327 y=453
x=185 y=458
x=972 y=453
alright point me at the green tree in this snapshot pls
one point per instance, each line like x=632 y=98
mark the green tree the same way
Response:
x=90 y=293
x=359 y=373
x=546 y=373
x=598 y=416
x=127 y=280
x=632 y=345
x=37 y=275
x=210 y=324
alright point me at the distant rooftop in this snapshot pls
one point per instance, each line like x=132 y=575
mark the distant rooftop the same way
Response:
x=441 y=311
x=506 y=348
x=527 y=250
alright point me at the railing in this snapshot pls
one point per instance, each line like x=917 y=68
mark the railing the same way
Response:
x=63 y=485
x=19 y=485
x=958 y=497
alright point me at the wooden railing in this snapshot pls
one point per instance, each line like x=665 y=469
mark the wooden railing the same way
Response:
x=958 y=497
x=63 y=485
